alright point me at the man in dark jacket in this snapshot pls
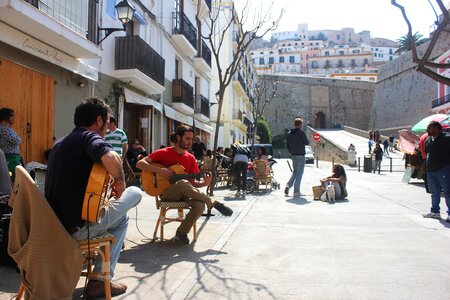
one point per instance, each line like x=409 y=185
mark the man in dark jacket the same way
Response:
x=296 y=141
x=437 y=147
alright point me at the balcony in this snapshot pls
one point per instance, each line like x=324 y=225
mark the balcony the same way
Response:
x=238 y=115
x=202 y=109
x=239 y=84
x=62 y=25
x=440 y=101
x=203 y=60
x=183 y=96
x=235 y=38
x=184 y=34
x=138 y=63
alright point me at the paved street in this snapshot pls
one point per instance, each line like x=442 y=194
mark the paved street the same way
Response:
x=375 y=245
x=343 y=139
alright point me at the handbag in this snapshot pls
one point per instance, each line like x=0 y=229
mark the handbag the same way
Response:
x=317 y=192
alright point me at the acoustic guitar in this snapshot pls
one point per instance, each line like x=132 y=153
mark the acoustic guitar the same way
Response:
x=98 y=192
x=155 y=184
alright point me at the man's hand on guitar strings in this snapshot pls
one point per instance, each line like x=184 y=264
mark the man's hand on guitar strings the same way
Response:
x=117 y=188
x=166 y=173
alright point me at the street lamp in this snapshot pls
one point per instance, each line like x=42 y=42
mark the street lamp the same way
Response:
x=125 y=13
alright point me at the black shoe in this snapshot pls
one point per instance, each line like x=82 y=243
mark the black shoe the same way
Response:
x=224 y=210
x=182 y=238
x=286 y=190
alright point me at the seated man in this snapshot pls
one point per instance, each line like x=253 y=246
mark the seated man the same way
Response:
x=182 y=190
x=135 y=153
x=68 y=173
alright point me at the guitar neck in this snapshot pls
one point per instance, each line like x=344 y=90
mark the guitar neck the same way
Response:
x=177 y=177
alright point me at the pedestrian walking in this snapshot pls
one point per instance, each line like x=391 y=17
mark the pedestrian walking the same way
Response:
x=391 y=143
x=370 y=144
x=378 y=152
x=117 y=138
x=296 y=141
x=198 y=148
x=386 y=147
x=437 y=147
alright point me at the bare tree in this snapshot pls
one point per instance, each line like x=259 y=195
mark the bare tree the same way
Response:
x=222 y=18
x=265 y=90
x=442 y=30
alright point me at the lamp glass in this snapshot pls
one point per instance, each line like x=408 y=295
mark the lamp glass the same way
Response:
x=124 y=11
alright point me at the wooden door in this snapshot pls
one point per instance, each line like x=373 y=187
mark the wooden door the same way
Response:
x=31 y=94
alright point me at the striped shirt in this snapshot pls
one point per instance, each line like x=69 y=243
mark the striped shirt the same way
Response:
x=116 y=139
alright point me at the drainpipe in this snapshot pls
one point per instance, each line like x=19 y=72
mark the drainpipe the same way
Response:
x=161 y=98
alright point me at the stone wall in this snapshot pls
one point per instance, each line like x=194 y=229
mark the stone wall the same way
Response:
x=337 y=101
x=403 y=96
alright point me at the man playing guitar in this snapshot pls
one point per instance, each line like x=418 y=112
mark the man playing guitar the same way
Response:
x=68 y=172
x=182 y=190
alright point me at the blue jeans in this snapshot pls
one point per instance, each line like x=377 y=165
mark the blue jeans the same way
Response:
x=438 y=180
x=115 y=222
x=298 y=165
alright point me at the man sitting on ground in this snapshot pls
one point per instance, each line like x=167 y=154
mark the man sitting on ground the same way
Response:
x=182 y=190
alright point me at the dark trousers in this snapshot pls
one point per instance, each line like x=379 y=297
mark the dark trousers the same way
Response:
x=240 y=171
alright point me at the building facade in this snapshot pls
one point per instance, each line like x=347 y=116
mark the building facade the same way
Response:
x=236 y=117
x=155 y=75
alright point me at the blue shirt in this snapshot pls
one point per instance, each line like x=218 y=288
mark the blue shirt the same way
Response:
x=68 y=170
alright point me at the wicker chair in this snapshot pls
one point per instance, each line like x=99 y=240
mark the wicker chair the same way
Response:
x=263 y=175
x=164 y=207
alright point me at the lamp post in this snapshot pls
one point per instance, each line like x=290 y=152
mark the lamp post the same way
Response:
x=125 y=13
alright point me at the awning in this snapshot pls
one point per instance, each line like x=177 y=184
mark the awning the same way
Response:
x=175 y=115
x=204 y=126
x=133 y=97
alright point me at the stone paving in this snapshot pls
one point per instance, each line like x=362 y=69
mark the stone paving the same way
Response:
x=374 y=245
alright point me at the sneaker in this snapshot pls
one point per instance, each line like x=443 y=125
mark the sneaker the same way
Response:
x=224 y=210
x=180 y=237
x=432 y=215
x=96 y=289
x=286 y=190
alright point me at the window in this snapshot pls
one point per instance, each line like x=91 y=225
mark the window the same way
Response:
x=110 y=8
x=281 y=59
x=262 y=53
x=327 y=53
x=390 y=51
x=338 y=37
x=341 y=52
x=271 y=52
x=270 y=60
x=375 y=54
x=292 y=59
x=261 y=60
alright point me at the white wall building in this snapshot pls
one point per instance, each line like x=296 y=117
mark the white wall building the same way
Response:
x=236 y=115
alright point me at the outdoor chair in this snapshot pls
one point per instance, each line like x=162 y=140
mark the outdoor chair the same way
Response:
x=89 y=249
x=163 y=219
x=263 y=174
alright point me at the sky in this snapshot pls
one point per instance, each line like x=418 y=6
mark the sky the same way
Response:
x=378 y=16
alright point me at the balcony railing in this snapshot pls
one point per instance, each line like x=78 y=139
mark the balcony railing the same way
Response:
x=202 y=106
x=76 y=15
x=440 y=101
x=208 y=3
x=241 y=81
x=183 y=26
x=182 y=92
x=206 y=53
x=238 y=115
x=132 y=52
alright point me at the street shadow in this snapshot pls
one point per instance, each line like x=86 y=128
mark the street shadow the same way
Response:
x=298 y=201
x=148 y=260
x=10 y=280
x=445 y=223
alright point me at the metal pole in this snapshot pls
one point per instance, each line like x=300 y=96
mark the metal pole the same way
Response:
x=317 y=161
x=332 y=161
x=359 y=164
x=390 y=161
